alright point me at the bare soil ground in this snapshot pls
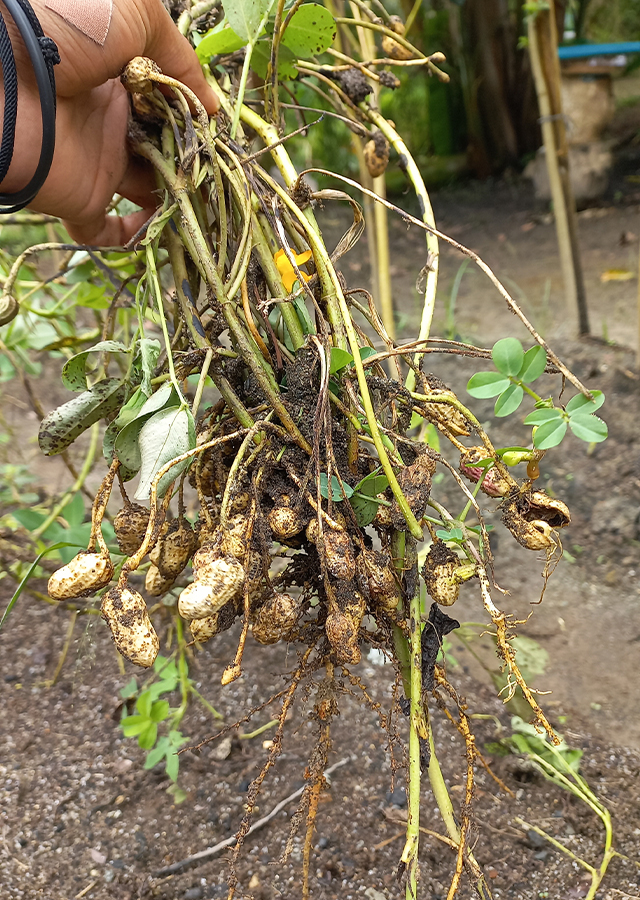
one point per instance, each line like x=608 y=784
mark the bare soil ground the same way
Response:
x=79 y=817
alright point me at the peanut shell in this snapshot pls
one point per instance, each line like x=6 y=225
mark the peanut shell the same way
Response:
x=84 y=575
x=125 y=612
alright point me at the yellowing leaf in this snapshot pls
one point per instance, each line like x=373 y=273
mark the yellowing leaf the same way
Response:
x=287 y=272
x=617 y=275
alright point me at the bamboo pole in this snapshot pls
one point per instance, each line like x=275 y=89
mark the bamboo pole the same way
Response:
x=543 y=51
x=638 y=347
x=380 y=220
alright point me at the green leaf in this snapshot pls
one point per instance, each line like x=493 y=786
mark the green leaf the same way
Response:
x=454 y=534
x=164 y=396
x=176 y=739
x=132 y=408
x=364 y=508
x=82 y=272
x=179 y=796
x=92 y=296
x=159 y=710
x=159 y=752
x=73 y=372
x=286 y=62
x=533 y=659
x=588 y=428
x=165 y=436
x=126 y=445
x=166 y=686
x=364 y=502
x=366 y=352
x=508 y=356
x=60 y=428
x=143 y=704
x=509 y=401
x=535 y=361
x=540 y=416
x=73 y=511
x=218 y=42
x=372 y=484
x=303 y=313
x=311 y=31
x=129 y=690
x=147 y=738
x=339 y=360
x=582 y=404
x=172 y=765
x=134 y=725
x=149 y=349
x=550 y=434
x=483 y=385
x=164 y=667
x=29 y=518
x=156 y=227
x=247 y=17
x=336 y=489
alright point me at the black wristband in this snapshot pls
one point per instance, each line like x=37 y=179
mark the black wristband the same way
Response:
x=44 y=55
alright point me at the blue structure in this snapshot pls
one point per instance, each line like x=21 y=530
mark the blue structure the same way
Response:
x=580 y=51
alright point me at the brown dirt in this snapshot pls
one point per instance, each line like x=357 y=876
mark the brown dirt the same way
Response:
x=79 y=815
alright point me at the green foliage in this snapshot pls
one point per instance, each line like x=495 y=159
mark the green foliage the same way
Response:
x=151 y=713
x=247 y=17
x=165 y=436
x=70 y=531
x=155 y=715
x=552 y=761
x=365 y=500
x=218 y=42
x=16 y=484
x=516 y=370
x=60 y=428
x=74 y=375
x=338 y=491
x=310 y=32
x=144 y=725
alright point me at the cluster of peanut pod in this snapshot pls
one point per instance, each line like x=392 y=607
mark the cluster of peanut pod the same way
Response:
x=295 y=569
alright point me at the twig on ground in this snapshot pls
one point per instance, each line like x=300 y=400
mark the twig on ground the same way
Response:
x=229 y=842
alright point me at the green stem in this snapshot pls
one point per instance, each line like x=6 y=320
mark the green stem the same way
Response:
x=433 y=252
x=325 y=268
x=248 y=735
x=417 y=730
x=271 y=83
x=526 y=389
x=441 y=794
x=152 y=274
x=77 y=485
x=276 y=287
x=465 y=512
x=183 y=673
x=214 y=712
x=201 y=382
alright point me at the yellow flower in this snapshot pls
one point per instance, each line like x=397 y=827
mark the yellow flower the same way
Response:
x=287 y=272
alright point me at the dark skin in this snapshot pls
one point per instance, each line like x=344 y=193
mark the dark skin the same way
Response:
x=92 y=161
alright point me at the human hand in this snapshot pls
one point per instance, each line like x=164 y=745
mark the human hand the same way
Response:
x=92 y=161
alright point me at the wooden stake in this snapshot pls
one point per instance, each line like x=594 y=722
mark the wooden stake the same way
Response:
x=543 y=51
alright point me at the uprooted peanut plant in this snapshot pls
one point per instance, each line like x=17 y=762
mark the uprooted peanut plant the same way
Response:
x=276 y=396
